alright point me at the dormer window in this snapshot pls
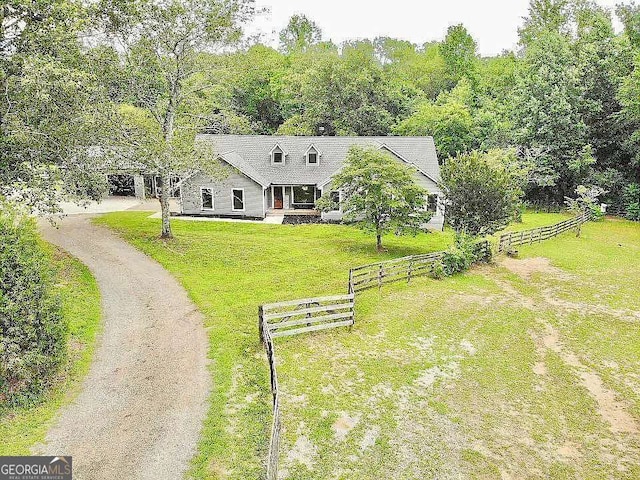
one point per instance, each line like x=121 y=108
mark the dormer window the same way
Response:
x=277 y=155
x=313 y=156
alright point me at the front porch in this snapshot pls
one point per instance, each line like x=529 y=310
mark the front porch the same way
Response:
x=292 y=200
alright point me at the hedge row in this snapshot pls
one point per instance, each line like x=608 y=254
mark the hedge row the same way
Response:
x=33 y=334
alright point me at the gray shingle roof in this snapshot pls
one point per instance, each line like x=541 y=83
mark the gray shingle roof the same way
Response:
x=251 y=154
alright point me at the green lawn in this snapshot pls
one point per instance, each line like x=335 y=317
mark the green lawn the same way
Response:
x=21 y=428
x=532 y=219
x=523 y=369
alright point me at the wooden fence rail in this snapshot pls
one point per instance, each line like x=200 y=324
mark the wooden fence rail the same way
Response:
x=511 y=239
x=377 y=274
x=274 y=439
x=308 y=315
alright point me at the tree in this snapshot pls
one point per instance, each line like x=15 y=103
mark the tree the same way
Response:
x=482 y=191
x=415 y=71
x=547 y=116
x=163 y=43
x=254 y=81
x=604 y=60
x=630 y=17
x=378 y=193
x=345 y=94
x=545 y=16
x=50 y=109
x=449 y=121
x=450 y=125
x=459 y=51
x=300 y=33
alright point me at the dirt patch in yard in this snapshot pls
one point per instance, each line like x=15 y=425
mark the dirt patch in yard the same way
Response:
x=344 y=425
x=303 y=452
x=526 y=267
x=610 y=408
x=624 y=315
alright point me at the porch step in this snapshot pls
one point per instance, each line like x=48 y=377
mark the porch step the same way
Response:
x=274 y=219
x=307 y=212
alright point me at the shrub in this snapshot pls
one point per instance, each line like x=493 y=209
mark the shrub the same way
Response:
x=32 y=331
x=458 y=258
x=631 y=196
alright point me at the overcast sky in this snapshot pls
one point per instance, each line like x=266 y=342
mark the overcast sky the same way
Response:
x=493 y=23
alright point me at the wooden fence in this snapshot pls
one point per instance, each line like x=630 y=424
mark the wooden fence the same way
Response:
x=291 y=318
x=274 y=441
x=308 y=315
x=511 y=239
x=377 y=274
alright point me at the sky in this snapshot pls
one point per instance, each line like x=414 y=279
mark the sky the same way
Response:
x=493 y=23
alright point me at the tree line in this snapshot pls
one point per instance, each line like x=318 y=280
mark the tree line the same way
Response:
x=142 y=77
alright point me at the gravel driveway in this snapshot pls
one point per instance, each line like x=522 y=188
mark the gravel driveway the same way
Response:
x=141 y=407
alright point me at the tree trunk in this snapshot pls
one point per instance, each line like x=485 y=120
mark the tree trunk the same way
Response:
x=379 y=242
x=164 y=206
x=166 y=175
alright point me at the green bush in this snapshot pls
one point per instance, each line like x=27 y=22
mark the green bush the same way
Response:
x=631 y=196
x=458 y=258
x=33 y=334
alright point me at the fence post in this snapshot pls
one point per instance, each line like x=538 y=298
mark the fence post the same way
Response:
x=579 y=226
x=380 y=269
x=350 y=289
x=409 y=271
x=260 y=324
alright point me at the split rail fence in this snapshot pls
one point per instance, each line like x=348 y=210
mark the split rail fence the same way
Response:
x=512 y=239
x=377 y=274
x=292 y=318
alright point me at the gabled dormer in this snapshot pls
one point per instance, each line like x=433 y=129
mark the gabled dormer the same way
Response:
x=277 y=155
x=312 y=155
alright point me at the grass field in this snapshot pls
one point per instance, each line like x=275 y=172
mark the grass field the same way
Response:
x=526 y=368
x=21 y=428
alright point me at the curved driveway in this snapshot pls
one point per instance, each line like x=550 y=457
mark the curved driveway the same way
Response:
x=141 y=407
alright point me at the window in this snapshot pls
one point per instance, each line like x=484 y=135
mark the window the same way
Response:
x=312 y=155
x=237 y=199
x=432 y=203
x=335 y=199
x=304 y=196
x=206 y=197
x=277 y=155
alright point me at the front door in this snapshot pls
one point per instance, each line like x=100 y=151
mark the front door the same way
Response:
x=278 y=197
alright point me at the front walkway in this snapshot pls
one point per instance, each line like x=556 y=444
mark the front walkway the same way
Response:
x=143 y=402
x=271 y=219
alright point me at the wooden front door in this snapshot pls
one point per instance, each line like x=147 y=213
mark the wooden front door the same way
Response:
x=278 y=197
